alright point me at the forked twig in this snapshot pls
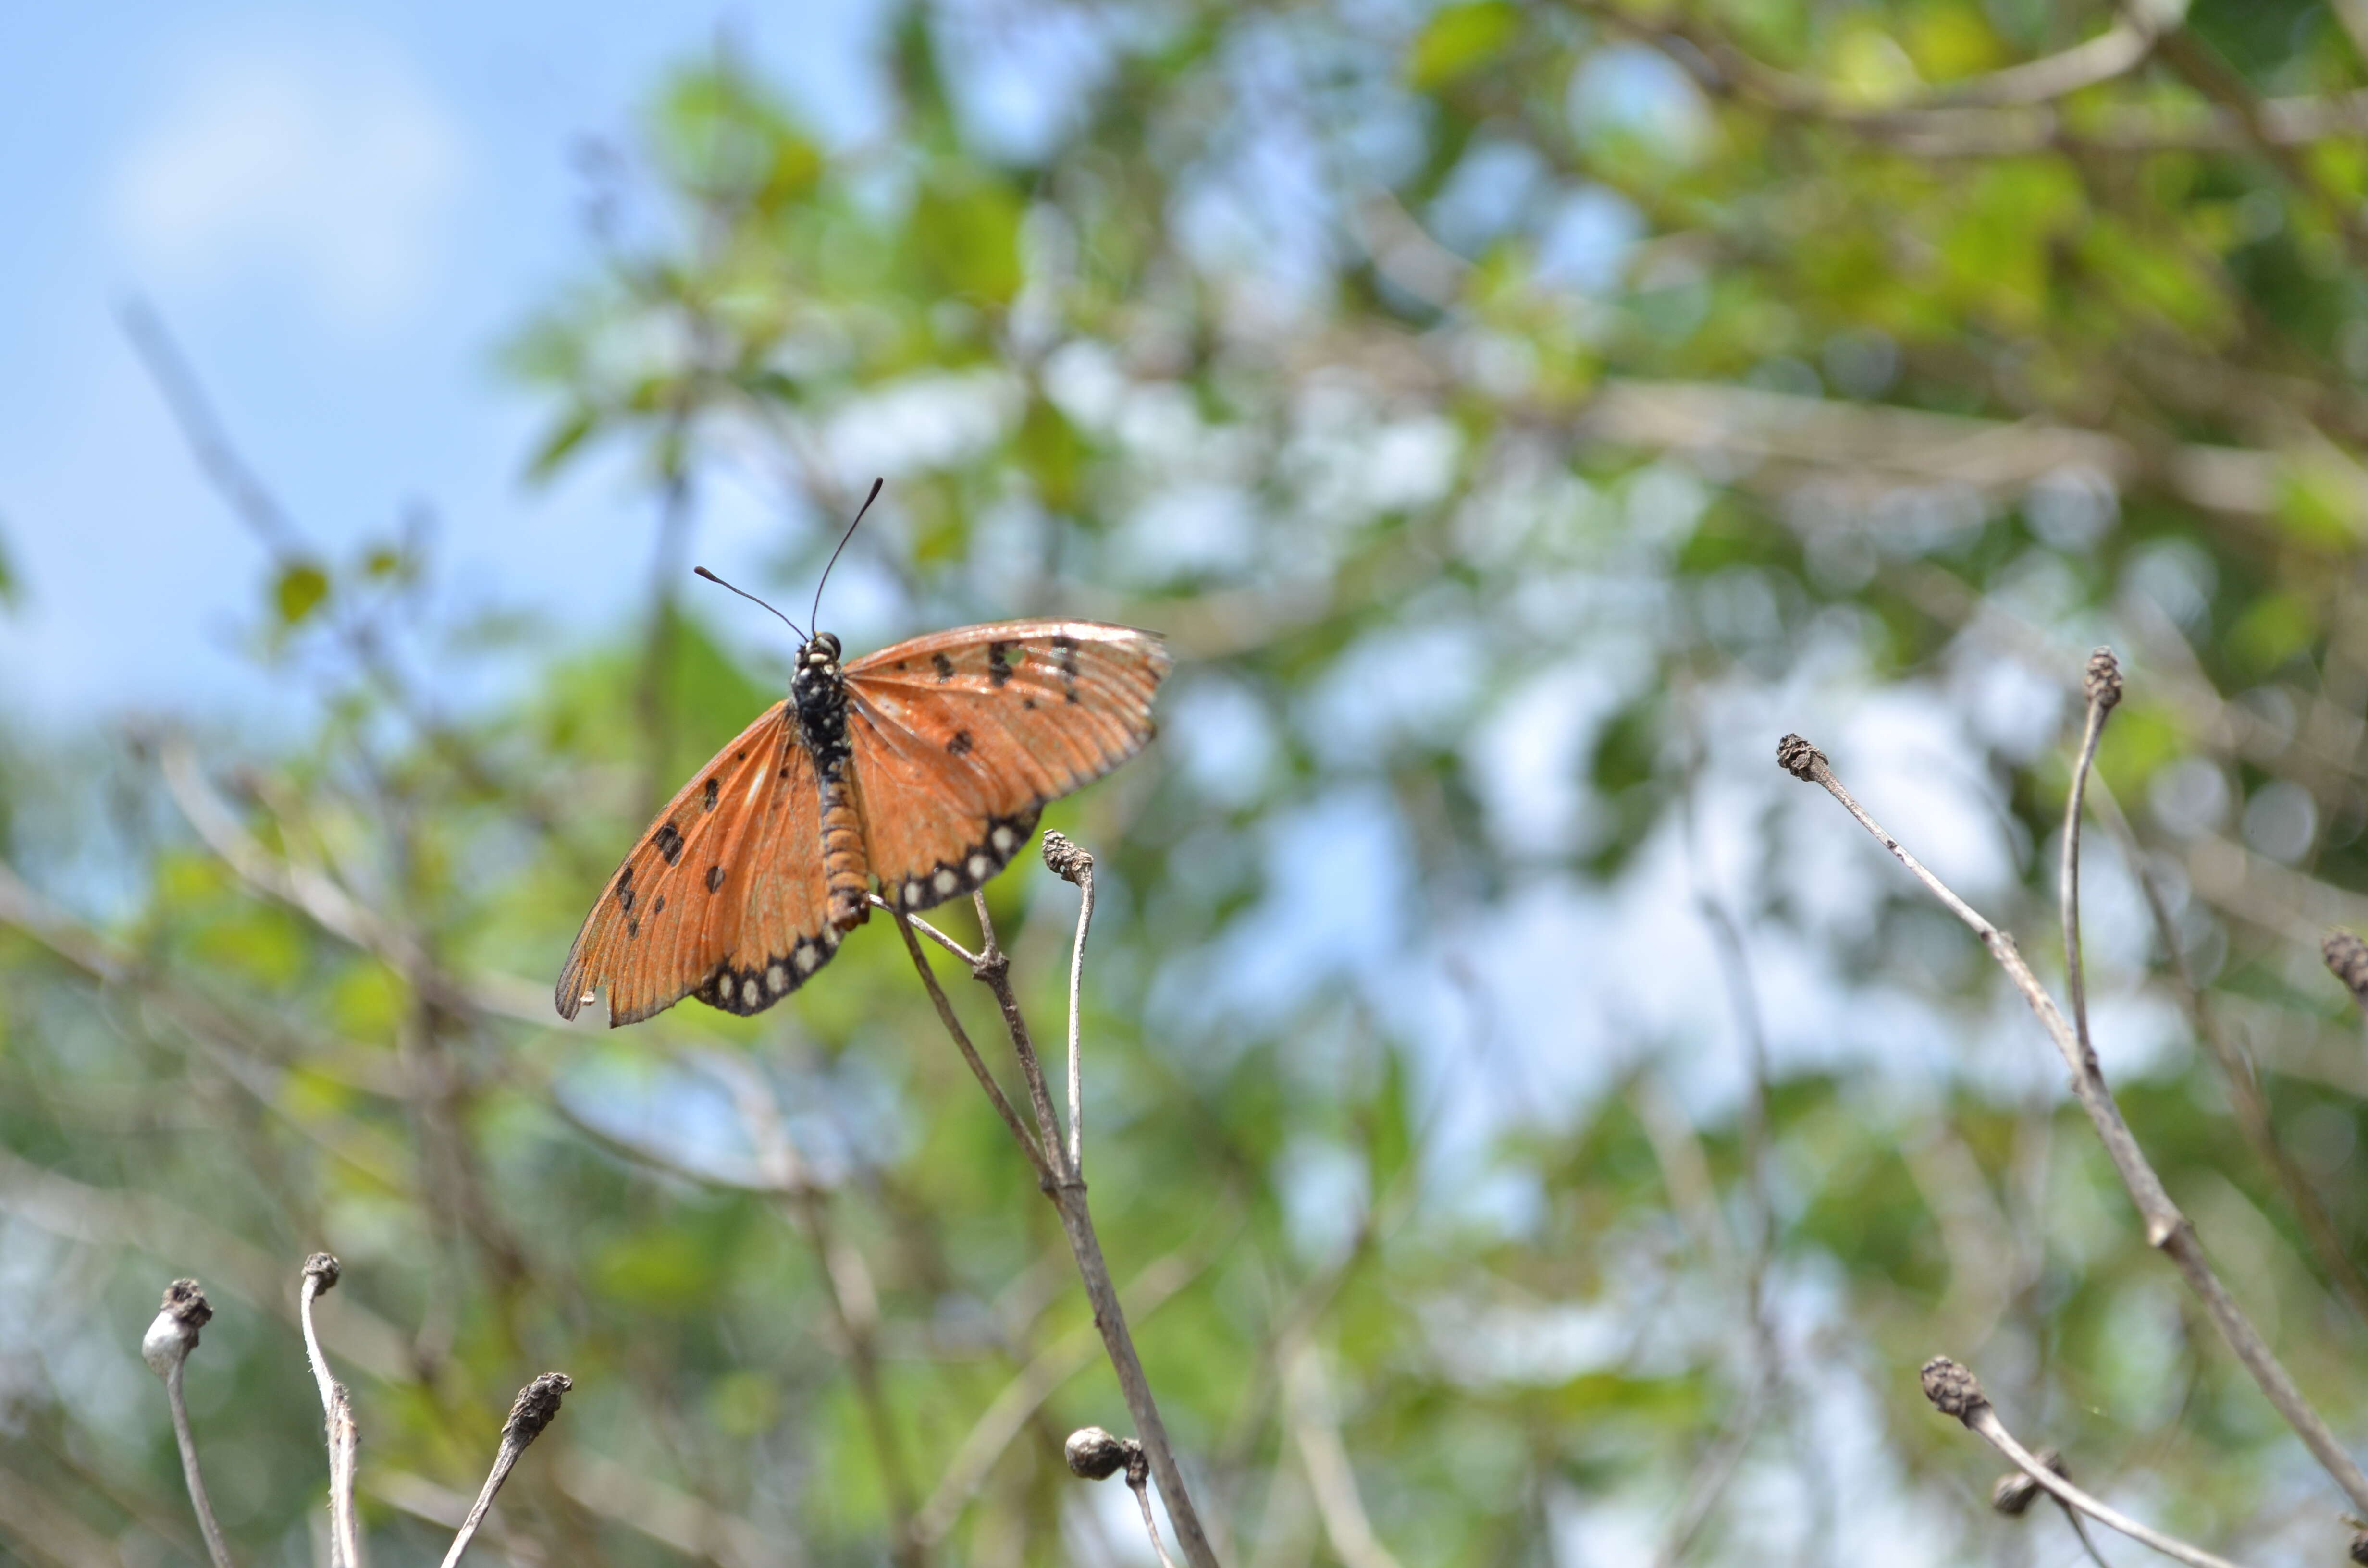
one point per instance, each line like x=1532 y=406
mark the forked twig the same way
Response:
x=321 y=1273
x=1028 y=1144
x=165 y=1347
x=536 y=1405
x=1068 y=1190
x=2166 y=1229
x=1953 y=1391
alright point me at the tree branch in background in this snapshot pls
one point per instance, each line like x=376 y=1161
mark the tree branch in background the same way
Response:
x=1953 y=1391
x=165 y=1347
x=535 y=1408
x=846 y=1283
x=2245 y=1096
x=321 y=1273
x=2166 y=1229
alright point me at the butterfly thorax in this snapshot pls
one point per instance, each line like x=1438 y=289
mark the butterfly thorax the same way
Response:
x=818 y=691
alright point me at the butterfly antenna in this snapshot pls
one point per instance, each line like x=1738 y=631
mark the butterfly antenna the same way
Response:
x=751 y=598
x=814 y=614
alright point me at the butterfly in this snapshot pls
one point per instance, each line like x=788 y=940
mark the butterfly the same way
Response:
x=923 y=765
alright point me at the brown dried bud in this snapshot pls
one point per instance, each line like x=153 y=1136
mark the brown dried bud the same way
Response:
x=534 y=1409
x=1066 y=860
x=186 y=1299
x=2103 y=684
x=1097 y=1455
x=2016 y=1490
x=1799 y=758
x=173 y=1333
x=2347 y=959
x=324 y=1268
x=1951 y=1389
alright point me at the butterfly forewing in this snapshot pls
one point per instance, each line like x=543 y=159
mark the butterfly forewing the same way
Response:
x=962 y=737
x=680 y=916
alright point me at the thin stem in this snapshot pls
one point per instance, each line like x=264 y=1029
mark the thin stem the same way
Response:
x=994 y=970
x=321 y=1273
x=536 y=1405
x=926 y=929
x=1951 y=1389
x=216 y=1548
x=1076 y=985
x=1142 y=1497
x=2166 y=1229
x=1028 y=1144
x=1078 y=1223
x=2101 y=697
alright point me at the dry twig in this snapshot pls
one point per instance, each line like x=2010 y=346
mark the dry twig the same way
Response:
x=1953 y=1391
x=1064 y=1184
x=536 y=1406
x=2166 y=1229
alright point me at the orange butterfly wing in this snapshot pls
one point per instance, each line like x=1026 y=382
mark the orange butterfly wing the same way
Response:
x=960 y=738
x=722 y=899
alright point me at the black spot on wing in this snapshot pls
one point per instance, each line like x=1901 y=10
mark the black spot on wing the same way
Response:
x=715 y=878
x=943 y=665
x=998 y=663
x=708 y=795
x=668 y=839
x=960 y=745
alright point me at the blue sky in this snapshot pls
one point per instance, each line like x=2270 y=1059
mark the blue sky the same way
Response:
x=340 y=211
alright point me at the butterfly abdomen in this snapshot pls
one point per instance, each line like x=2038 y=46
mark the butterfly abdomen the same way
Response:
x=819 y=693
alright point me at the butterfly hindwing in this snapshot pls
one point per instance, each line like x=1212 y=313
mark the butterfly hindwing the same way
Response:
x=962 y=737
x=784 y=932
x=685 y=907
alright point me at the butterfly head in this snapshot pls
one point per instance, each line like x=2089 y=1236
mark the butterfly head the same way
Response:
x=821 y=653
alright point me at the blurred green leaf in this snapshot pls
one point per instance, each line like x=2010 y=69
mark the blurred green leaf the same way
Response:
x=297 y=591
x=1460 y=38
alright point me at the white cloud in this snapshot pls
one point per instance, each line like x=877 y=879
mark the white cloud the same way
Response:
x=320 y=162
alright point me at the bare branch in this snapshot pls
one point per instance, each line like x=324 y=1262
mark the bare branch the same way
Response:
x=1067 y=1191
x=1953 y=1391
x=535 y=1408
x=2166 y=1229
x=321 y=1273
x=165 y=1347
